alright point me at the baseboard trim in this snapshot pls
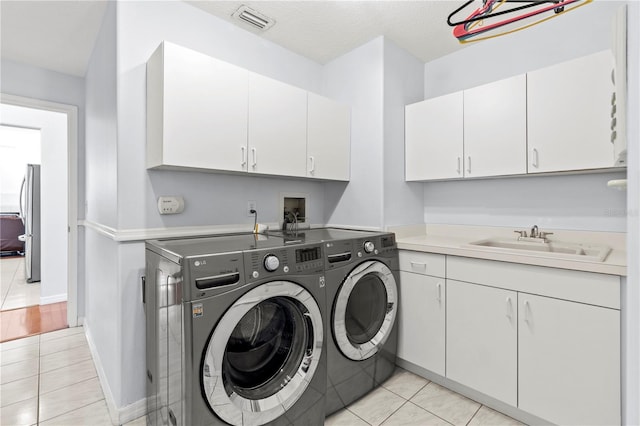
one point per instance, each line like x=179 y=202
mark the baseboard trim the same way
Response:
x=118 y=415
x=473 y=394
x=104 y=384
x=56 y=298
x=133 y=411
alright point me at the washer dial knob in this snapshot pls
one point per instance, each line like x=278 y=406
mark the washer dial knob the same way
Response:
x=271 y=262
x=368 y=246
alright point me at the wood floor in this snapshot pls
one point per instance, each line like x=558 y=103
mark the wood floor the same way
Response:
x=20 y=313
x=23 y=322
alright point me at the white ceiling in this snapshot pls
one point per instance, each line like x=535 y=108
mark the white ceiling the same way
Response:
x=59 y=35
x=323 y=30
x=56 y=35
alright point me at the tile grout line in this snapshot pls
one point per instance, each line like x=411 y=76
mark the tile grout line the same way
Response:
x=397 y=409
x=414 y=394
x=432 y=413
x=474 y=414
x=70 y=385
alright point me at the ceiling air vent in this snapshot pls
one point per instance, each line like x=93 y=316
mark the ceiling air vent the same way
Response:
x=254 y=18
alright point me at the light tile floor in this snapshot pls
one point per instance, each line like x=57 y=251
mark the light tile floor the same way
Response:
x=408 y=399
x=15 y=292
x=50 y=379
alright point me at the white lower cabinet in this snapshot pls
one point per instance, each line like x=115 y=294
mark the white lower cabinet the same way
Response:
x=421 y=323
x=568 y=361
x=482 y=339
x=544 y=340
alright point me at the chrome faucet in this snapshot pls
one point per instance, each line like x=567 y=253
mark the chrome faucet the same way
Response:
x=535 y=236
x=534 y=232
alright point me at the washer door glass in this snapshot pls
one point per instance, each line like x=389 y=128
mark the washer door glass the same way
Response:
x=365 y=310
x=263 y=353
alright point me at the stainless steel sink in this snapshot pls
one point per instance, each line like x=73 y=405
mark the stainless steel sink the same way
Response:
x=550 y=249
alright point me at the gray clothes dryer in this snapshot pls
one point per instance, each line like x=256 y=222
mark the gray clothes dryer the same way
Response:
x=362 y=297
x=362 y=278
x=237 y=333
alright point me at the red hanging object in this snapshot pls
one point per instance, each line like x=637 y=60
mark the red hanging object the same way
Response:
x=466 y=29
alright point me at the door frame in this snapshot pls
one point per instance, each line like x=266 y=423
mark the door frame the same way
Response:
x=71 y=112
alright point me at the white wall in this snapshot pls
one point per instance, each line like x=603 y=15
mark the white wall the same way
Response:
x=122 y=194
x=577 y=33
x=103 y=314
x=210 y=199
x=37 y=83
x=631 y=289
x=101 y=123
x=53 y=195
x=580 y=202
x=403 y=84
x=18 y=147
x=356 y=79
x=571 y=202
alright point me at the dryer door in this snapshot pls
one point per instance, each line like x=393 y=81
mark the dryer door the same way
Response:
x=262 y=354
x=365 y=310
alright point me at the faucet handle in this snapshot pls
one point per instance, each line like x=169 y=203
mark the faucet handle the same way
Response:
x=543 y=235
x=523 y=234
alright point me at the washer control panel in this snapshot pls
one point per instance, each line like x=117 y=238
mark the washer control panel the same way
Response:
x=301 y=259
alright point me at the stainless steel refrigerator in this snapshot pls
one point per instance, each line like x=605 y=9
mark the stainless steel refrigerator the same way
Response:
x=30 y=214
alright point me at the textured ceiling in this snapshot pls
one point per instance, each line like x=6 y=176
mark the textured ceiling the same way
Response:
x=56 y=35
x=324 y=30
x=59 y=35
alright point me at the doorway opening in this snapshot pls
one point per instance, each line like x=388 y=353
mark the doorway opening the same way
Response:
x=54 y=304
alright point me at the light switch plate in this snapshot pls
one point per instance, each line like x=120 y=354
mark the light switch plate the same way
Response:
x=170 y=205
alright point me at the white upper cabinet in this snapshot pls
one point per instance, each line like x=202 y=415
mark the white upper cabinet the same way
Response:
x=434 y=138
x=328 y=139
x=557 y=119
x=196 y=110
x=277 y=127
x=495 y=128
x=570 y=112
x=207 y=114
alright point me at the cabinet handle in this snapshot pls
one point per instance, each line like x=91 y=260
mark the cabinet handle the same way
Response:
x=534 y=163
x=527 y=308
x=458 y=169
x=243 y=151
x=418 y=264
x=313 y=164
x=254 y=153
x=439 y=288
x=509 y=309
x=469 y=164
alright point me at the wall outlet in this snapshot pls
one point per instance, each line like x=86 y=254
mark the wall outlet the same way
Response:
x=251 y=205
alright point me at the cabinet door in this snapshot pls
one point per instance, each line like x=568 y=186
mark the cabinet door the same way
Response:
x=197 y=111
x=277 y=127
x=328 y=139
x=495 y=128
x=569 y=361
x=482 y=339
x=569 y=107
x=421 y=324
x=433 y=138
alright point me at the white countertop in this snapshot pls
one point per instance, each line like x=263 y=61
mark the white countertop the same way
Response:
x=454 y=239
